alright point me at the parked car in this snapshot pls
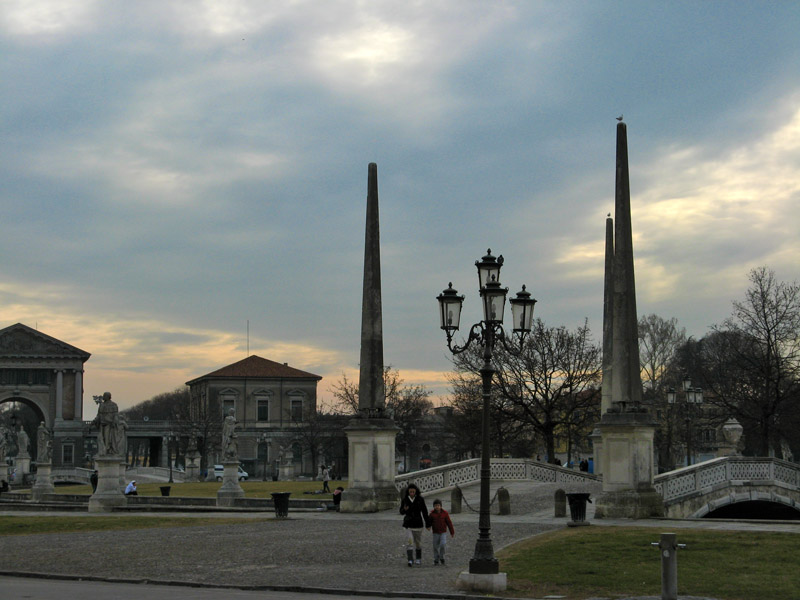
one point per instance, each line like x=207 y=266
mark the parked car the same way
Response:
x=219 y=471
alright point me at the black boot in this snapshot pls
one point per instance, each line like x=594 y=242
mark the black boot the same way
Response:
x=410 y=554
x=419 y=556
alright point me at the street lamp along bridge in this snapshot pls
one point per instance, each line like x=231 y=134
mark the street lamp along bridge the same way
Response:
x=483 y=572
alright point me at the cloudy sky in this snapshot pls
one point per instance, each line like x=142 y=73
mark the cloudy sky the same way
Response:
x=172 y=170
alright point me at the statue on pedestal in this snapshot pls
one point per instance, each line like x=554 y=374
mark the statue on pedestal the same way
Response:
x=230 y=447
x=44 y=439
x=23 y=444
x=108 y=424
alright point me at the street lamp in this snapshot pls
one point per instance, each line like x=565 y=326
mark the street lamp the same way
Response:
x=485 y=334
x=263 y=438
x=171 y=437
x=692 y=398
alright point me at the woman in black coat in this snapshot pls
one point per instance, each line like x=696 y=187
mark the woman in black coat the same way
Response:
x=415 y=518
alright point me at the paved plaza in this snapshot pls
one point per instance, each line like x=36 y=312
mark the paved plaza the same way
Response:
x=309 y=552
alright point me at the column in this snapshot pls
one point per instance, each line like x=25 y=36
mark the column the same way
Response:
x=78 y=395
x=59 y=395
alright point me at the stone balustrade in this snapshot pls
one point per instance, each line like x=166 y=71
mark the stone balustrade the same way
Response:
x=446 y=477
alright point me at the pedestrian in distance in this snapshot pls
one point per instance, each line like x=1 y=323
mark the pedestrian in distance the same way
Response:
x=440 y=524
x=93 y=481
x=130 y=489
x=326 y=477
x=415 y=518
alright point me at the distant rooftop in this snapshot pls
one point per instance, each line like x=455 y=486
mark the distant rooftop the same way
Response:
x=257 y=368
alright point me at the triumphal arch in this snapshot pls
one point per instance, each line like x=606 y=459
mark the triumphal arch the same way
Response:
x=46 y=375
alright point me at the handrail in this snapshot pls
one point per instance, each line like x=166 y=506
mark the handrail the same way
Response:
x=446 y=477
x=720 y=472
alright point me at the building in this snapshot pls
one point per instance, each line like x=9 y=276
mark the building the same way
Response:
x=42 y=377
x=272 y=403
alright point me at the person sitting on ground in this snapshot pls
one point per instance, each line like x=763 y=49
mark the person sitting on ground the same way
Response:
x=130 y=490
x=337 y=497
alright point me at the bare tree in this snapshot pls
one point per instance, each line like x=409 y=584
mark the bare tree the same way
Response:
x=751 y=362
x=550 y=384
x=659 y=343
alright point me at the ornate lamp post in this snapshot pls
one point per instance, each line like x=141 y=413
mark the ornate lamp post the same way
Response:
x=693 y=397
x=486 y=333
x=171 y=438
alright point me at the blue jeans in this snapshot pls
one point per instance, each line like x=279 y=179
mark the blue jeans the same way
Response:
x=439 y=543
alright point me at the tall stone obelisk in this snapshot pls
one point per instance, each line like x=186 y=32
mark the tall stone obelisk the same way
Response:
x=371 y=435
x=626 y=428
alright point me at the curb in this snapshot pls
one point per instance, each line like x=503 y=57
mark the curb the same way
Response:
x=254 y=588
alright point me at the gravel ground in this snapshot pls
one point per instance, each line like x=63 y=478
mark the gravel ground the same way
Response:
x=312 y=550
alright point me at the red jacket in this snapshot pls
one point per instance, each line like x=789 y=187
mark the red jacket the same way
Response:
x=440 y=522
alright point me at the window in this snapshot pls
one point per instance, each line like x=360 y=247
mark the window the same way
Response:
x=297 y=410
x=263 y=409
x=68 y=454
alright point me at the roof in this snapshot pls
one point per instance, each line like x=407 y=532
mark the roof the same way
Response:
x=256 y=367
x=21 y=341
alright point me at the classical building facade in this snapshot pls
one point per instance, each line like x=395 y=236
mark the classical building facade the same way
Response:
x=45 y=375
x=271 y=402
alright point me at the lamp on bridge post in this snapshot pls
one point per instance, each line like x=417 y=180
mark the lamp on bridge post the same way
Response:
x=171 y=438
x=692 y=398
x=486 y=333
x=263 y=438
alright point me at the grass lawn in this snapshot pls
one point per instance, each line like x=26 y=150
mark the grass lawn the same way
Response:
x=619 y=561
x=199 y=489
x=30 y=525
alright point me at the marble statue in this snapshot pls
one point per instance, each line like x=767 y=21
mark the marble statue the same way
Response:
x=107 y=423
x=44 y=444
x=230 y=449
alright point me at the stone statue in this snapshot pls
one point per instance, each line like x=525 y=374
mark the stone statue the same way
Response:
x=23 y=444
x=107 y=423
x=122 y=434
x=230 y=449
x=44 y=444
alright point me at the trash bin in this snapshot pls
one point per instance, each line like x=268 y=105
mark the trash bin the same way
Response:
x=281 y=502
x=577 y=508
x=165 y=490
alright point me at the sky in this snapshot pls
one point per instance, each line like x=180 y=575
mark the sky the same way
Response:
x=184 y=182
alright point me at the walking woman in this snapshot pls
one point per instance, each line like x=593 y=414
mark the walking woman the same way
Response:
x=416 y=517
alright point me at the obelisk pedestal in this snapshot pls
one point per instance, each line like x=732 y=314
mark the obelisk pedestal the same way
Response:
x=371 y=435
x=107 y=496
x=626 y=428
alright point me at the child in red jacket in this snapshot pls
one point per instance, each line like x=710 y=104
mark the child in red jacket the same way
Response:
x=440 y=522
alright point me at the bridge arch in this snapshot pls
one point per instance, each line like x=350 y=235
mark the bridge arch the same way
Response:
x=729 y=484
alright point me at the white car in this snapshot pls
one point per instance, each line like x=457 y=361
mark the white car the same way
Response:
x=219 y=471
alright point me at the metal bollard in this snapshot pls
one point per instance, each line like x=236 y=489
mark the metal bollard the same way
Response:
x=669 y=565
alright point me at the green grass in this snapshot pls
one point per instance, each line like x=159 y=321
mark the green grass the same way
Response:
x=208 y=489
x=619 y=561
x=66 y=524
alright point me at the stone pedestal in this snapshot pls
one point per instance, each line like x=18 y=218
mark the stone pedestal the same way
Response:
x=44 y=482
x=627 y=467
x=371 y=466
x=230 y=489
x=192 y=466
x=480 y=582
x=108 y=495
x=23 y=464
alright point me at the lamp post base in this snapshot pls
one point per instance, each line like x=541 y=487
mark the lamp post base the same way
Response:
x=482 y=582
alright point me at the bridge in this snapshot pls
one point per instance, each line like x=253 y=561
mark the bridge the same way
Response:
x=714 y=487
x=732 y=486
x=447 y=477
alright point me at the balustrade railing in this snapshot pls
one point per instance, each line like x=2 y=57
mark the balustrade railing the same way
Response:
x=507 y=469
x=720 y=472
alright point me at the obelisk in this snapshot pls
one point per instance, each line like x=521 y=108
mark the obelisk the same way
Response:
x=371 y=435
x=626 y=428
